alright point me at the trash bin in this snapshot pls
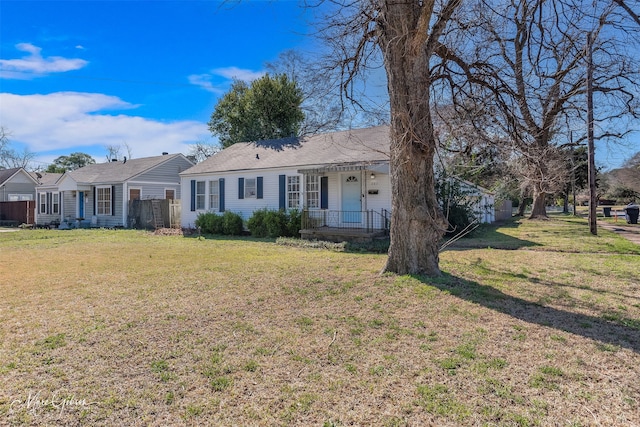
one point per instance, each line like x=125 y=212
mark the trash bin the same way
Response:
x=607 y=212
x=631 y=213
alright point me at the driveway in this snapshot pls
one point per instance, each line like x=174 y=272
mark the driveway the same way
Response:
x=628 y=231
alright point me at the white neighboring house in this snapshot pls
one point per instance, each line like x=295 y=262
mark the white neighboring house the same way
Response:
x=98 y=194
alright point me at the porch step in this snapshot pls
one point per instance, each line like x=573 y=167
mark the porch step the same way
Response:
x=158 y=221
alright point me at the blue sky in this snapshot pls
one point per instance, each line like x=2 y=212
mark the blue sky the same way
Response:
x=80 y=75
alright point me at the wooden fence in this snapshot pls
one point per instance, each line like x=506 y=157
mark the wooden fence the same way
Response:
x=141 y=214
x=16 y=213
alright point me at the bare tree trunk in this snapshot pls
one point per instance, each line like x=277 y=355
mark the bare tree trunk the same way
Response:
x=522 y=207
x=538 y=209
x=417 y=222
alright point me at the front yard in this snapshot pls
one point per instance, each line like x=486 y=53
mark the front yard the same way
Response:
x=532 y=323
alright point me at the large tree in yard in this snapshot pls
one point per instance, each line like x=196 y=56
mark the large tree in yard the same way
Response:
x=528 y=65
x=408 y=35
x=268 y=108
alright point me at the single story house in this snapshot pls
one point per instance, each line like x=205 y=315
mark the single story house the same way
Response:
x=339 y=180
x=98 y=194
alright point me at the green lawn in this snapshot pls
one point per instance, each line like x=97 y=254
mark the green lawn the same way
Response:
x=532 y=324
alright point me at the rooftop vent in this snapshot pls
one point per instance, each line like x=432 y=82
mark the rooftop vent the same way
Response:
x=114 y=160
x=164 y=153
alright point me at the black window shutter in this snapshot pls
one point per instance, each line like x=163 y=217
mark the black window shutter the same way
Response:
x=113 y=200
x=193 y=195
x=259 y=188
x=221 y=194
x=95 y=199
x=282 y=179
x=324 y=192
x=240 y=188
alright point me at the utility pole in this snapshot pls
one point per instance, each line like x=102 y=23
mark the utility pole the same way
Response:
x=573 y=172
x=592 y=163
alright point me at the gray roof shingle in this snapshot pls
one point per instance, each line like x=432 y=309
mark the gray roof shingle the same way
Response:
x=46 y=178
x=345 y=147
x=5 y=174
x=119 y=171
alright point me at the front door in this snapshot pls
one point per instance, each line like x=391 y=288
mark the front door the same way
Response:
x=351 y=198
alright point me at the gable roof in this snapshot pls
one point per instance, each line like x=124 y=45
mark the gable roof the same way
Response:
x=119 y=171
x=7 y=174
x=357 y=146
x=46 y=178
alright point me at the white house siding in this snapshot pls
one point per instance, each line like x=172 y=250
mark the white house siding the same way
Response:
x=484 y=202
x=381 y=183
x=271 y=192
x=243 y=207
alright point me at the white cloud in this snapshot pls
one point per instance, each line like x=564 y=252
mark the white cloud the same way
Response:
x=35 y=65
x=238 y=73
x=206 y=81
x=75 y=121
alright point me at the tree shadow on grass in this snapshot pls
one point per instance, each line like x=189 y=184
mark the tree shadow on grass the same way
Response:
x=490 y=237
x=610 y=332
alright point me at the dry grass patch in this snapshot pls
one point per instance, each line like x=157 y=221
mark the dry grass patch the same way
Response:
x=135 y=329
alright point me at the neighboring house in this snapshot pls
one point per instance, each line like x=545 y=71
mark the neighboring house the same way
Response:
x=17 y=195
x=98 y=194
x=17 y=184
x=339 y=180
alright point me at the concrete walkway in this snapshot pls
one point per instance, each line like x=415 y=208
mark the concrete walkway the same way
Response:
x=630 y=232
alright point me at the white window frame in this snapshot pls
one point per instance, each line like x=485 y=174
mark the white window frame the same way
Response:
x=104 y=204
x=214 y=195
x=312 y=193
x=55 y=203
x=19 y=197
x=42 y=203
x=250 y=188
x=201 y=196
x=293 y=192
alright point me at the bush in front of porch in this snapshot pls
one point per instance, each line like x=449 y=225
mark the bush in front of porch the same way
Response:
x=275 y=223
